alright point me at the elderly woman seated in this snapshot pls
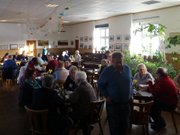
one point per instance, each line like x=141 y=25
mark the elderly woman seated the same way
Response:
x=81 y=98
x=104 y=64
x=143 y=76
x=165 y=97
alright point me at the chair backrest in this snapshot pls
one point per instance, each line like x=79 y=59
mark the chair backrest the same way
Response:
x=96 y=108
x=140 y=112
x=38 y=120
x=91 y=66
x=1 y=72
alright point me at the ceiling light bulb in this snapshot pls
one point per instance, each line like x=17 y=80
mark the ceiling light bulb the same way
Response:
x=3 y=20
x=52 y=5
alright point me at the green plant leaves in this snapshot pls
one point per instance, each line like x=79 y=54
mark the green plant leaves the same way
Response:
x=174 y=40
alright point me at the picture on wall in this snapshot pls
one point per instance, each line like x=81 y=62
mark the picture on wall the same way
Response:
x=72 y=42
x=63 y=43
x=43 y=42
x=90 y=46
x=111 y=38
x=90 y=39
x=4 y=47
x=127 y=38
x=85 y=46
x=81 y=39
x=118 y=37
x=86 y=39
x=119 y=47
x=111 y=47
x=13 y=46
x=21 y=45
x=125 y=47
x=81 y=45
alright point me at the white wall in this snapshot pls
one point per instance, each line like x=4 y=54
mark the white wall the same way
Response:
x=12 y=33
x=19 y=33
x=117 y=25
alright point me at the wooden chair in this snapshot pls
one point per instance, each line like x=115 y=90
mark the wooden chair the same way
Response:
x=89 y=76
x=96 y=89
x=8 y=83
x=92 y=76
x=1 y=77
x=95 y=111
x=140 y=114
x=38 y=120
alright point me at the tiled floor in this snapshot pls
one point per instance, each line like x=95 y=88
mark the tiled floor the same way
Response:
x=13 y=120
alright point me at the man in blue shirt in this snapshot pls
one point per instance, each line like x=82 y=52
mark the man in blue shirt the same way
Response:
x=115 y=84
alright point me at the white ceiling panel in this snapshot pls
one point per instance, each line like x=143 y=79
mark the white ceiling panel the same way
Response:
x=73 y=11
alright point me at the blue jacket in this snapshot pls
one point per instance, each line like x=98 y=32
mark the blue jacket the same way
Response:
x=115 y=84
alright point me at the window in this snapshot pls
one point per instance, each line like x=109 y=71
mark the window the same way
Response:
x=144 y=42
x=101 y=37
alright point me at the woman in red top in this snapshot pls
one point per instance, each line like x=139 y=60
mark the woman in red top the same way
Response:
x=165 y=97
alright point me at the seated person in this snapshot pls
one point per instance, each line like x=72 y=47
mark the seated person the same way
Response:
x=64 y=56
x=143 y=76
x=81 y=98
x=107 y=56
x=67 y=64
x=70 y=84
x=47 y=98
x=10 y=68
x=60 y=74
x=41 y=62
x=165 y=97
x=21 y=72
x=104 y=63
x=28 y=85
x=52 y=64
x=22 y=57
x=33 y=64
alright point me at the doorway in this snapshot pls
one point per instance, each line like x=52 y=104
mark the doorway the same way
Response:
x=32 y=51
x=76 y=44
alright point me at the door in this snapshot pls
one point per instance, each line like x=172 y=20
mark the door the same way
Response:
x=76 y=44
x=31 y=47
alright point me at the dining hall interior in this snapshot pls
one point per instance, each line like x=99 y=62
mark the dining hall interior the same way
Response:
x=52 y=45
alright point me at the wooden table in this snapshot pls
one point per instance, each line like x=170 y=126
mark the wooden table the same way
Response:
x=142 y=95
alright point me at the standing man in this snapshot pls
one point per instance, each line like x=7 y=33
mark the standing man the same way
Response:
x=115 y=84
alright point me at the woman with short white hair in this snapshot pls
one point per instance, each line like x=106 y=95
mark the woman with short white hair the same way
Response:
x=80 y=76
x=143 y=76
x=81 y=98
